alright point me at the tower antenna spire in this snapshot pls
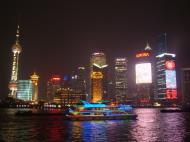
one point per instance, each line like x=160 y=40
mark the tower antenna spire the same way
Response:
x=165 y=42
x=147 y=46
x=18 y=28
x=17 y=33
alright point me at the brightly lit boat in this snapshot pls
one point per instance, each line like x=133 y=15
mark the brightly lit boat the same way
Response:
x=98 y=111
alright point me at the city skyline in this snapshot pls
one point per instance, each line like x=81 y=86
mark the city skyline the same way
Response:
x=78 y=35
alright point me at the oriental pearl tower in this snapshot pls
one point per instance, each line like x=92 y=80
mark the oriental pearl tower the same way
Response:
x=16 y=50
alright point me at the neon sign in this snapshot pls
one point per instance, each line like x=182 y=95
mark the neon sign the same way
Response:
x=143 y=54
x=55 y=78
x=171 y=94
x=170 y=65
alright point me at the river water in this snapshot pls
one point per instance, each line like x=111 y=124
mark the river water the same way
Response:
x=151 y=126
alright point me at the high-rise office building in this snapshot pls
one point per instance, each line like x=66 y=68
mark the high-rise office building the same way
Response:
x=166 y=83
x=53 y=85
x=185 y=86
x=144 y=76
x=97 y=86
x=73 y=89
x=34 y=78
x=78 y=81
x=120 y=80
x=166 y=77
x=98 y=77
x=24 y=91
x=16 y=49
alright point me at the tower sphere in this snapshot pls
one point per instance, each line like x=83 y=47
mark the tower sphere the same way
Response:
x=16 y=48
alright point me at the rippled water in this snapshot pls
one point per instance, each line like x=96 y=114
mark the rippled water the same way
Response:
x=151 y=126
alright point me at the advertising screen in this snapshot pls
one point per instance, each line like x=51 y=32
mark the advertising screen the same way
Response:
x=143 y=73
x=171 y=79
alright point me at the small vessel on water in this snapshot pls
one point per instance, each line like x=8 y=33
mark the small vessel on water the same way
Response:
x=171 y=110
x=175 y=110
x=98 y=111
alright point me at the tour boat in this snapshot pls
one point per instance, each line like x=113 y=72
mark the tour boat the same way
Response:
x=98 y=111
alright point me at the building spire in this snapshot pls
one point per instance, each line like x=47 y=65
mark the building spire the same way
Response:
x=165 y=42
x=147 y=46
x=17 y=33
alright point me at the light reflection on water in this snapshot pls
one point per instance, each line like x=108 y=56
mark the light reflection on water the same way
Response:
x=151 y=126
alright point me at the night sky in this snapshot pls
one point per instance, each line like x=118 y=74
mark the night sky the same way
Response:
x=57 y=36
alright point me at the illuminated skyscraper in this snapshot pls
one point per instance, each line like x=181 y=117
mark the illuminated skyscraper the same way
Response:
x=53 y=85
x=78 y=80
x=16 y=49
x=97 y=87
x=166 y=84
x=120 y=80
x=144 y=76
x=24 y=91
x=166 y=78
x=34 y=78
x=98 y=79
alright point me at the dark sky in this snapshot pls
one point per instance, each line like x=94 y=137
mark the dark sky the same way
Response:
x=57 y=35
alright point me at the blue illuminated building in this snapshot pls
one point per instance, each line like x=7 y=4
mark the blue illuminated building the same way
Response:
x=24 y=91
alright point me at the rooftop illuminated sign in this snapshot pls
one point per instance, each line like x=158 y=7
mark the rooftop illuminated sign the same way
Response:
x=143 y=54
x=55 y=78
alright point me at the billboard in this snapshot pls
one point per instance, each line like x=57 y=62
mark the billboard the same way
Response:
x=143 y=73
x=171 y=79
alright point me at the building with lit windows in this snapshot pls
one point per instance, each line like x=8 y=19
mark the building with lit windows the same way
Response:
x=97 y=87
x=16 y=49
x=166 y=83
x=34 y=78
x=185 y=87
x=53 y=85
x=166 y=78
x=98 y=77
x=24 y=91
x=78 y=80
x=120 y=80
x=144 y=77
x=68 y=96
x=73 y=89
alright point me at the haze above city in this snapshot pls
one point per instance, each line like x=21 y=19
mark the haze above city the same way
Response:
x=57 y=37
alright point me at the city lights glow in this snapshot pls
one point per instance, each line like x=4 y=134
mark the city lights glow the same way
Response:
x=143 y=73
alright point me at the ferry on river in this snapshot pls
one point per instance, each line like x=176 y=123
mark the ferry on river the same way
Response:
x=86 y=111
x=98 y=111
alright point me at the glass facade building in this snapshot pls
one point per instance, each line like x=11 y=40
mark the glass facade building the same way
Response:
x=24 y=91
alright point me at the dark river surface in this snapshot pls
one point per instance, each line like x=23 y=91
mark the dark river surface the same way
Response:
x=151 y=126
